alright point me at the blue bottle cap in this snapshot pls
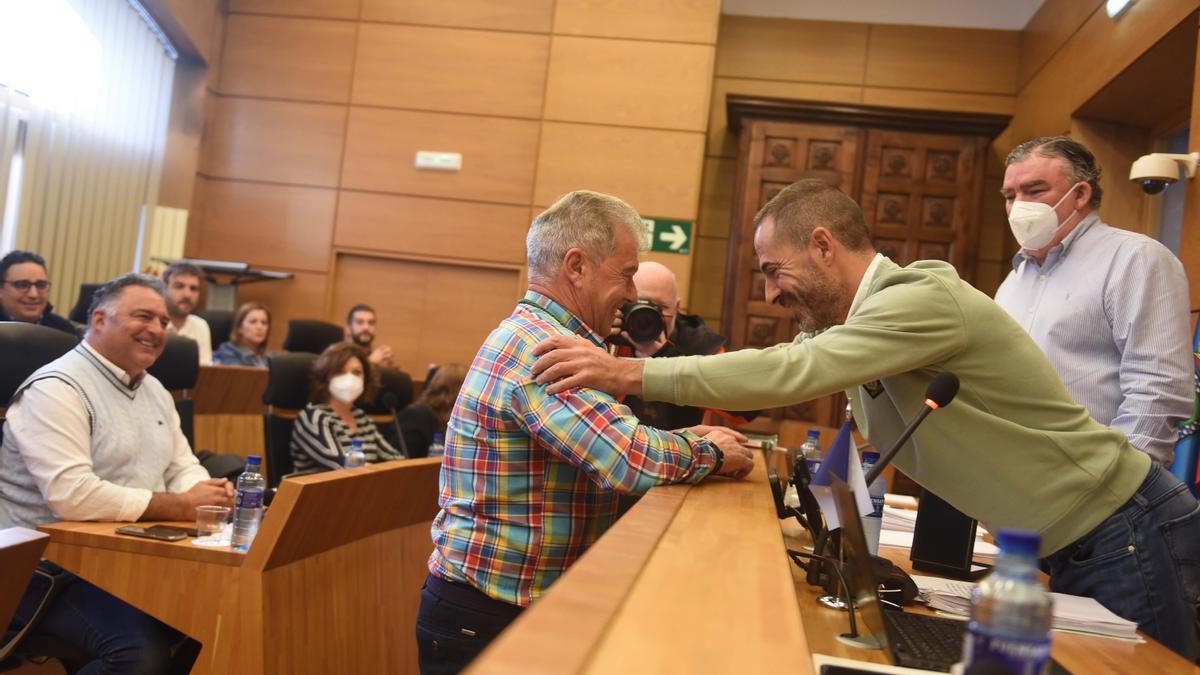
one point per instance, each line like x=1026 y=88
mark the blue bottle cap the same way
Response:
x=814 y=433
x=870 y=456
x=1017 y=541
x=439 y=438
x=253 y=460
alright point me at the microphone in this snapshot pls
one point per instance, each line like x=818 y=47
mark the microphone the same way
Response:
x=941 y=391
x=853 y=637
x=393 y=404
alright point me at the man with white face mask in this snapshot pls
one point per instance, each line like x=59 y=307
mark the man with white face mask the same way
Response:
x=1109 y=307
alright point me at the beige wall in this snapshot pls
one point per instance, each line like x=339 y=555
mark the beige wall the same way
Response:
x=903 y=66
x=319 y=108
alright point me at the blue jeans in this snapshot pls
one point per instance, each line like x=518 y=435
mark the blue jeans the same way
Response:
x=455 y=623
x=114 y=636
x=1143 y=562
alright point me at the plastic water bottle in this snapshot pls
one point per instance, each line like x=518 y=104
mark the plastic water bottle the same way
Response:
x=355 y=456
x=873 y=522
x=812 y=451
x=438 y=447
x=246 y=515
x=1011 y=614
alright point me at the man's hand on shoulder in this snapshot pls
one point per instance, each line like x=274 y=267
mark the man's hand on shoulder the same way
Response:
x=739 y=460
x=566 y=362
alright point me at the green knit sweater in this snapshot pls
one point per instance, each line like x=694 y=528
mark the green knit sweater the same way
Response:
x=1012 y=450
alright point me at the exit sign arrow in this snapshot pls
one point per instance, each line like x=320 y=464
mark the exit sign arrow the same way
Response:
x=669 y=236
x=675 y=239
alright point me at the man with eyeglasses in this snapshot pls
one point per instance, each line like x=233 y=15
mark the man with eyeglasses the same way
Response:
x=25 y=292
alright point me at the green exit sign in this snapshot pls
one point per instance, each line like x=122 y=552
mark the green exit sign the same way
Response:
x=669 y=236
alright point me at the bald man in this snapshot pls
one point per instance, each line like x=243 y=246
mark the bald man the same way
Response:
x=683 y=335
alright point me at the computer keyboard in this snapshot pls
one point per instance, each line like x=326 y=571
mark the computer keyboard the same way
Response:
x=925 y=642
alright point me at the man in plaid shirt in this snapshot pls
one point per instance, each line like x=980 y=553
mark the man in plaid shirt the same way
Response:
x=529 y=480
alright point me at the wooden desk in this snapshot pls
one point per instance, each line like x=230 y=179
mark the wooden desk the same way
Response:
x=331 y=583
x=691 y=579
x=1080 y=654
x=229 y=409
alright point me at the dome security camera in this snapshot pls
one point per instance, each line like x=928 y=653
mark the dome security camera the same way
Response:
x=1158 y=169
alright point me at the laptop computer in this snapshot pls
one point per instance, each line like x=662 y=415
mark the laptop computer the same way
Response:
x=913 y=640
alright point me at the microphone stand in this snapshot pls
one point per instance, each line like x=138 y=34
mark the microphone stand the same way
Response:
x=853 y=638
x=886 y=457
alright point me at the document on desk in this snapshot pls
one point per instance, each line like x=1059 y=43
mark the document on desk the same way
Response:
x=1071 y=612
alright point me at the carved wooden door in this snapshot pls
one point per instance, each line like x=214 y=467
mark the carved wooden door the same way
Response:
x=774 y=155
x=920 y=196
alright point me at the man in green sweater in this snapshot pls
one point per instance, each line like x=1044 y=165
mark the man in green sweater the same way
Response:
x=1012 y=450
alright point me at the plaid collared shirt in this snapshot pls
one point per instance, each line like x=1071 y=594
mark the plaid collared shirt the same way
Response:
x=530 y=480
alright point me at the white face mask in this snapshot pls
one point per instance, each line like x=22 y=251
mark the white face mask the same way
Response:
x=1034 y=224
x=346 y=387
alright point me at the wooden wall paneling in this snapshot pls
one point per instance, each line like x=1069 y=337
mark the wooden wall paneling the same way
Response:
x=325 y=9
x=532 y=16
x=708 y=278
x=968 y=60
x=657 y=172
x=498 y=154
x=788 y=49
x=1000 y=104
x=267 y=225
x=1115 y=147
x=422 y=226
x=301 y=297
x=993 y=222
x=668 y=20
x=468 y=71
x=299 y=59
x=724 y=143
x=429 y=312
x=716 y=197
x=589 y=81
x=276 y=141
x=1088 y=61
x=1049 y=27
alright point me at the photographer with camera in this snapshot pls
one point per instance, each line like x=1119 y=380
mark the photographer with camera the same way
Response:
x=653 y=327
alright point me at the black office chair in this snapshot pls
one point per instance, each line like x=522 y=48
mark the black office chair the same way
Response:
x=311 y=336
x=25 y=347
x=220 y=324
x=178 y=368
x=287 y=389
x=395 y=382
x=79 y=311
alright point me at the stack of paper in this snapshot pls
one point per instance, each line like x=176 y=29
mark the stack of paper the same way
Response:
x=1071 y=612
x=898 y=525
x=899 y=520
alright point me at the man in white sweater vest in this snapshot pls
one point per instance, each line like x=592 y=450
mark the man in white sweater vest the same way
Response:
x=92 y=436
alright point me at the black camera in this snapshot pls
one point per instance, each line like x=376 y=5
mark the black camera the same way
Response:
x=642 y=320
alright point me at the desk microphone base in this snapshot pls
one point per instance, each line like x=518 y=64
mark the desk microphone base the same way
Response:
x=859 y=641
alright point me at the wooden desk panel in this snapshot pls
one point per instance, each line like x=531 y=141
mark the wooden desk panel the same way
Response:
x=331 y=583
x=230 y=390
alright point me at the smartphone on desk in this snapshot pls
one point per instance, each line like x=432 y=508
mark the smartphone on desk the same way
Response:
x=160 y=532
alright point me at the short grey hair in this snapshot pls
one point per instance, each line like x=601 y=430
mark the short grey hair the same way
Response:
x=106 y=296
x=582 y=219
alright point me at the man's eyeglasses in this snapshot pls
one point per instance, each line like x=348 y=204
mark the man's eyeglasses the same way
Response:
x=24 y=285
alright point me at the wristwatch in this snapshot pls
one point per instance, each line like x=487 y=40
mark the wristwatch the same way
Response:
x=720 y=459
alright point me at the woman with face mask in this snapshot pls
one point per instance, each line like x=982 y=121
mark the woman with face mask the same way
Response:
x=328 y=426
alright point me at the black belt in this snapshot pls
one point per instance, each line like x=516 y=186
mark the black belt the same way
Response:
x=470 y=597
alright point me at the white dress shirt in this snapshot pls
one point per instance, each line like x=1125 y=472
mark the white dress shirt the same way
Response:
x=197 y=329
